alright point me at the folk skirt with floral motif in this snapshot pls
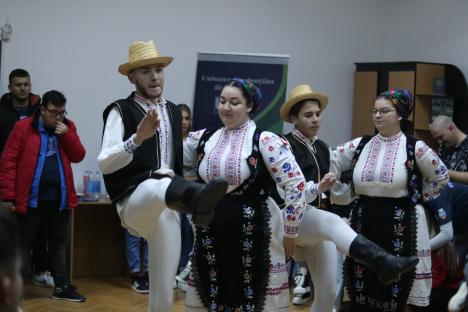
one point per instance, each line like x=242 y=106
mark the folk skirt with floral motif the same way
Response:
x=250 y=272
x=400 y=228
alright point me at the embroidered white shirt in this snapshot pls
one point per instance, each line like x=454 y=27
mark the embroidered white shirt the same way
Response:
x=381 y=170
x=226 y=154
x=116 y=153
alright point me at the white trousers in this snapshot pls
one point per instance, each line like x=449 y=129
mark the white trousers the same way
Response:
x=144 y=213
x=339 y=281
x=320 y=234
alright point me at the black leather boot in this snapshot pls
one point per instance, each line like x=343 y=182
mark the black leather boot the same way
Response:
x=194 y=198
x=387 y=266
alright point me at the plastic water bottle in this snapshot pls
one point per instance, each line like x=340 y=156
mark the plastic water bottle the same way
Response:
x=97 y=185
x=90 y=187
x=86 y=179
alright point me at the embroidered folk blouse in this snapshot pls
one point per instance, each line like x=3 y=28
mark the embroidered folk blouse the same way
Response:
x=226 y=154
x=381 y=172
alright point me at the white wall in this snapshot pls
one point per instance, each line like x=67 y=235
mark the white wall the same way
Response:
x=428 y=30
x=76 y=46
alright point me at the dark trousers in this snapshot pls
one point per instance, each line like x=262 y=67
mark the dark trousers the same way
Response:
x=186 y=241
x=56 y=222
x=40 y=251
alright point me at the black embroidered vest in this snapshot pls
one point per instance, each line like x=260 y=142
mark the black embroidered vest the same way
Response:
x=314 y=164
x=146 y=158
x=231 y=255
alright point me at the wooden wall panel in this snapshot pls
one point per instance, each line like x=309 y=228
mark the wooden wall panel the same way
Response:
x=97 y=246
x=365 y=89
x=425 y=74
x=401 y=79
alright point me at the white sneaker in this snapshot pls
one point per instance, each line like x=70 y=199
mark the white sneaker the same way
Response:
x=301 y=299
x=182 y=286
x=44 y=279
x=183 y=276
x=457 y=302
x=301 y=291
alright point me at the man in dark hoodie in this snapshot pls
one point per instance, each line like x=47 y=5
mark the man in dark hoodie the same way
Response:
x=17 y=104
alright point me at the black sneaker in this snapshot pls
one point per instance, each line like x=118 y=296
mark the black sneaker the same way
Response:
x=146 y=279
x=301 y=291
x=140 y=284
x=68 y=293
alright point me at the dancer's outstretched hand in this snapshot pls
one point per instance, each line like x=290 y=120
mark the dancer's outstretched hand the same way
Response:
x=289 y=245
x=147 y=127
x=327 y=182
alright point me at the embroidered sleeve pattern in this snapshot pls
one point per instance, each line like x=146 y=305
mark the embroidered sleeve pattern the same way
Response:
x=341 y=160
x=163 y=132
x=284 y=169
x=433 y=171
x=343 y=157
x=190 y=148
x=130 y=145
x=311 y=191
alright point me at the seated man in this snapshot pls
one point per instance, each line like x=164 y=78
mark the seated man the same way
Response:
x=451 y=212
x=453 y=149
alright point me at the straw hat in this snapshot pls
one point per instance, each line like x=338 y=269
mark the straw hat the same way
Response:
x=298 y=94
x=141 y=54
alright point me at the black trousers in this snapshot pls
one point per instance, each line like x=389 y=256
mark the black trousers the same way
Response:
x=47 y=215
x=40 y=251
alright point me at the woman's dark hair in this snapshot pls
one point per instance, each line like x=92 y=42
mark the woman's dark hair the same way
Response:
x=184 y=107
x=236 y=84
x=249 y=91
x=406 y=127
x=54 y=97
x=294 y=112
x=403 y=102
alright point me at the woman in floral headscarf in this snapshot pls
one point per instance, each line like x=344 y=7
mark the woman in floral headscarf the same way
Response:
x=239 y=259
x=393 y=173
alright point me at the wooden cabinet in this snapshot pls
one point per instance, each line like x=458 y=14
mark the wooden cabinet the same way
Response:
x=373 y=78
x=97 y=245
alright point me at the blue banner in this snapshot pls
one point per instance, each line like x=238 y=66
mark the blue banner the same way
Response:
x=214 y=70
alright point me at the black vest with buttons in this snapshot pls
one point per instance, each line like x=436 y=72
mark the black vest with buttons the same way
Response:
x=314 y=164
x=146 y=158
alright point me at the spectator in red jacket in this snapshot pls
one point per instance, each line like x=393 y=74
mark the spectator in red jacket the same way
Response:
x=18 y=104
x=36 y=181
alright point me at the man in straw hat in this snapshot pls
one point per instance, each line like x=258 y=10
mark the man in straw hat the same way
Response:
x=141 y=160
x=322 y=232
